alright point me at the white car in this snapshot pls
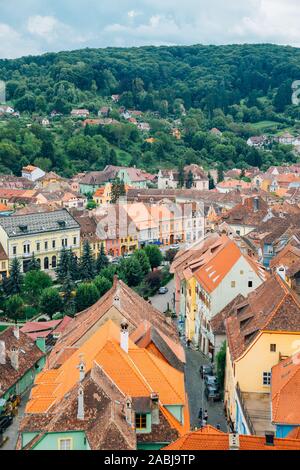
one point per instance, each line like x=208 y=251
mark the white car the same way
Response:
x=175 y=246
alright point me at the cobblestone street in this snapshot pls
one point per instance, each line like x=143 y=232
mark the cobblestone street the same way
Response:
x=194 y=383
x=195 y=391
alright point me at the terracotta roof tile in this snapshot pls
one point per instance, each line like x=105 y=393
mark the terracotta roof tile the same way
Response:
x=209 y=438
x=286 y=391
x=272 y=307
x=29 y=355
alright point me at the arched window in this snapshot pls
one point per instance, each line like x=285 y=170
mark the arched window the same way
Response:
x=53 y=262
x=46 y=263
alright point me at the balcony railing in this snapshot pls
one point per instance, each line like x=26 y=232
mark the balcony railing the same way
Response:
x=244 y=409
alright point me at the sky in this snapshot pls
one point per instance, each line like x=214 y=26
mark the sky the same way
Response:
x=38 y=26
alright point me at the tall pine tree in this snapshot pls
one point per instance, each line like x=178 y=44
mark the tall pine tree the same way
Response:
x=63 y=267
x=13 y=284
x=102 y=260
x=87 y=263
x=34 y=264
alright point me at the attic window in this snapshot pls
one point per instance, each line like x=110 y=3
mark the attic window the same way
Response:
x=23 y=228
x=61 y=223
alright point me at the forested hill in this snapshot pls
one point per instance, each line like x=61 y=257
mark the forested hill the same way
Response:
x=242 y=90
x=208 y=77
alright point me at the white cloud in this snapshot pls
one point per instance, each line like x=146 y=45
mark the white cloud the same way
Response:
x=133 y=14
x=13 y=44
x=274 y=21
x=55 y=32
x=61 y=25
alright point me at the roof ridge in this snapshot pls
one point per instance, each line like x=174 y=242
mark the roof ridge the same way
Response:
x=154 y=358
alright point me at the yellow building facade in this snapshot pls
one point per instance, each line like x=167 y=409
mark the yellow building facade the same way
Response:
x=41 y=234
x=251 y=370
x=191 y=308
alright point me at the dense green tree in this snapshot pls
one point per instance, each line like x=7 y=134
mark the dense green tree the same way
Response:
x=154 y=255
x=131 y=271
x=50 y=301
x=143 y=260
x=14 y=307
x=34 y=283
x=86 y=295
x=103 y=284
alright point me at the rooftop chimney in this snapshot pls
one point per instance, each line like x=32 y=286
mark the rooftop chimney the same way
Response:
x=2 y=353
x=256 y=204
x=281 y=271
x=14 y=357
x=269 y=438
x=81 y=367
x=124 y=336
x=128 y=411
x=154 y=408
x=80 y=411
x=234 y=441
x=16 y=332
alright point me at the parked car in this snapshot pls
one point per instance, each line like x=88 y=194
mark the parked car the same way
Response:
x=206 y=370
x=211 y=380
x=163 y=290
x=212 y=393
x=5 y=422
x=15 y=400
x=175 y=246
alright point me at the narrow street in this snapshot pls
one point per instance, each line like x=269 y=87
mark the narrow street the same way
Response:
x=195 y=390
x=161 y=302
x=193 y=381
x=12 y=432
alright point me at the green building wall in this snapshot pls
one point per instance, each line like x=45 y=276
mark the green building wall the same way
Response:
x=51 y=440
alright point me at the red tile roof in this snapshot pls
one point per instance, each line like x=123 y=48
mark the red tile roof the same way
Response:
x=271 y=307
x=209 y=438
x=286 y=391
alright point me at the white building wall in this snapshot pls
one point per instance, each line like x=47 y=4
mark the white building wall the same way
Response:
x=241 y=273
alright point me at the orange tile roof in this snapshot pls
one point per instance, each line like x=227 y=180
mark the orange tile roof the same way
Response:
x=137 y=373
x=286 y=391
x=142 y=337
x=209 y=438
x=29 y=168
x=217 y=262
x=294 y=434
x=3 y=208
x=99 y=192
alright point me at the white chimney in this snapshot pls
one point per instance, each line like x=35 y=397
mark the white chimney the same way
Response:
x=2 y=353
x=234 y=441
x=128 y=411
x=124 y=336
x=17 y=332
x=154 y=408
x=81 y=367
x=80 y=411
x=14 y=357
x=281 y=271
